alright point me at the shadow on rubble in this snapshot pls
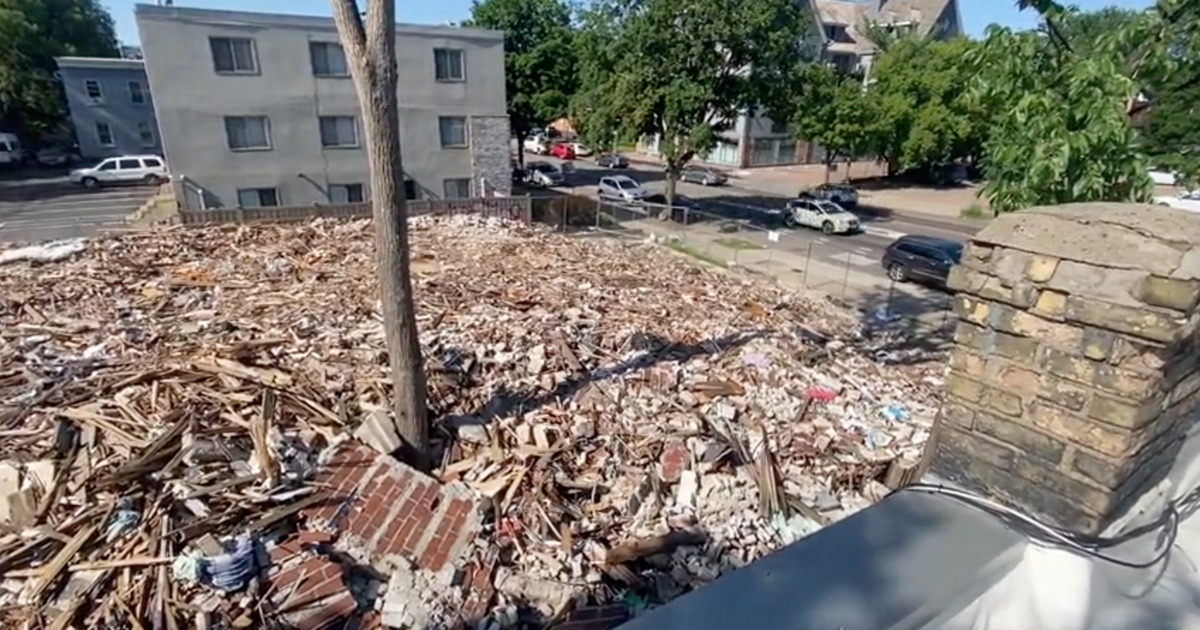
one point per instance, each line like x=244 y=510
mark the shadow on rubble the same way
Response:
x=650 y=348
x=906 y=325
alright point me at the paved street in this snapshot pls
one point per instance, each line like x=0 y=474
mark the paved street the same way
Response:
x=860 y=252
x=52 y=210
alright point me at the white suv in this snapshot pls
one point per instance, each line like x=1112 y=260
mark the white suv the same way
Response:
x=126 y=169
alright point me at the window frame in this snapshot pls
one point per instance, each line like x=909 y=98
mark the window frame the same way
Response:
x=87 y=90
x=449 y=55
x=356 y=144
x=349 y=188
x=259 y=191
x=266 y=121
x=112 y=139
x=143 y=129
x=446 y=183
x=230 y=41
x=466 y=132
x=314 y=46
x=140 y=92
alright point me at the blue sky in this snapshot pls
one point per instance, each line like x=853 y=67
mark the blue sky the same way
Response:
x=977 y=14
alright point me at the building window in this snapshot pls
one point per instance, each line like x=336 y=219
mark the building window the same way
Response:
x=104 y=135
x=457 y=188
x=843 y=62
x=146 y=134
x=328 y=59
x=136 y=95
x=449 y=64
x=92 y=88
x=835 y=32
x=453 y=130
x=778 y=127
x=339 y=131
x=346 y=193
x=233 y=55
x=248 y=133
x=257 y=197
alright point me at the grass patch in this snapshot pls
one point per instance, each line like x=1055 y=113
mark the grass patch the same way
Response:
x=738 y=243
x=973 y=211
x=694 y=253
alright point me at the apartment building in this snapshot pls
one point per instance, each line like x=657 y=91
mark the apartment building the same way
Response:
x=111 y=106
x=259 y=109
x=839 y=31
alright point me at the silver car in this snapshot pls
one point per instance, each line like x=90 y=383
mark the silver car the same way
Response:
x=622 y=188
x=703 y=176
x=544 y=174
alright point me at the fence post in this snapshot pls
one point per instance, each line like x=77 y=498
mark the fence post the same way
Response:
x=846 y=276
x=807 y=263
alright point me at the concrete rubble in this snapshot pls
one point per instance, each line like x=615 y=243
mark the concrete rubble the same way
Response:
x=196 y=420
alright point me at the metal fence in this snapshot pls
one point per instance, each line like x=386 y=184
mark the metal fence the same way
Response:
x=514 y=208
x=756 y=241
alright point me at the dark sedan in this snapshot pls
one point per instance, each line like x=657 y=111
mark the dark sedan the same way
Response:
x=924 y=259
x=703 y=175
x=841 y=194
x=612 y=160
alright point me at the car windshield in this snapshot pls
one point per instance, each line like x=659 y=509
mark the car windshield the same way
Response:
x=542 y=168
x=627 y=184
x=953 y=250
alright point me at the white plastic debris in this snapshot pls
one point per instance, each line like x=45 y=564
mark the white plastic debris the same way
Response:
x=47 y=252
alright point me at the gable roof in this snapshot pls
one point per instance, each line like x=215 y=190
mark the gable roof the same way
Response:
x=925 y=14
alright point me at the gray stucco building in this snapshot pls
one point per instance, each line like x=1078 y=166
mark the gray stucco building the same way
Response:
x=259 y=109
x=111 y=107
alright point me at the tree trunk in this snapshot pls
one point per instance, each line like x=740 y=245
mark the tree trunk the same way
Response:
x=670 y=175
x=830 y=158
x=370 y=53
x=521 y=136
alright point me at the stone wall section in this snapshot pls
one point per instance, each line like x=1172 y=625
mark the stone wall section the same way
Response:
x=1074 y=375
x=491 y=155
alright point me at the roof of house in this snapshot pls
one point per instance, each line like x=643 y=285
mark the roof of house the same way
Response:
x=925 y=14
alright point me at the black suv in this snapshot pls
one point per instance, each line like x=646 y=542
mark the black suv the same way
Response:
x=925 y=259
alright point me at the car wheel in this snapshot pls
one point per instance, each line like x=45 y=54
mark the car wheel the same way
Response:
x=152 y=179
x=897 y=273
x=90 y=182
x=827 y=228
x=790 y=221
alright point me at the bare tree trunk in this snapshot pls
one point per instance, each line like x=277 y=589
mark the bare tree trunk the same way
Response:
x=370 y=53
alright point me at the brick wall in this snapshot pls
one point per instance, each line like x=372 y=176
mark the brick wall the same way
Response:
x=384 y=509
x=514 y=208
x=491 y=154
x=1075 y=363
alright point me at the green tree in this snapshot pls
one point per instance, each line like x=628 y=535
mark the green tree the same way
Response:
x=924 y=114
x=832 y=109
x=1171 y=132
x=683 y=70
x=539 y=59
x=34 y=32
x=1066 y=93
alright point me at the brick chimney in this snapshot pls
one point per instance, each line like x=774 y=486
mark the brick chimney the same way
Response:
x=1075 y=368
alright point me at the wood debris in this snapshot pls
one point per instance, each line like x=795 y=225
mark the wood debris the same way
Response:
x=619 y=411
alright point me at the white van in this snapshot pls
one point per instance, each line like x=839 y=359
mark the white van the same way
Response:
x=10 y=150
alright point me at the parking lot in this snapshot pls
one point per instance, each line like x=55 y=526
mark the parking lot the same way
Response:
x=34 y=210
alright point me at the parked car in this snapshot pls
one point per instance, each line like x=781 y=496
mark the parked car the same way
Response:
x=53 y=157
x=819 y=214
x=841 y=194
x=581 y=150
x=536 y=145
x=622 y=188
x=544 y=174
x=1189 y=201
x=562 y=151
x=926 y=259
x=703 y=175
x=519 y=175
x=612 y=160
x=126 y=169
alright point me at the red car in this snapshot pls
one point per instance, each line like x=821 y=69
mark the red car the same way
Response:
x=563 y=151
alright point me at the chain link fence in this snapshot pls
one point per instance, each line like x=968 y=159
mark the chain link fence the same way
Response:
x=758 y=241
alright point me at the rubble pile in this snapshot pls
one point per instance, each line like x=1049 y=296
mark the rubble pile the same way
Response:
x=627 y=424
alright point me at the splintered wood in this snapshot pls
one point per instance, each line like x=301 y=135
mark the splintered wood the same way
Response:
x=158 y=389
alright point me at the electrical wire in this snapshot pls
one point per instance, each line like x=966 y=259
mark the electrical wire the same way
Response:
x=1092 y=546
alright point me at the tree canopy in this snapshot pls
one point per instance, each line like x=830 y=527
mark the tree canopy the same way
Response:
x=34 y=32
x=833 y=110
x=539 y=58
x=683 y=70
